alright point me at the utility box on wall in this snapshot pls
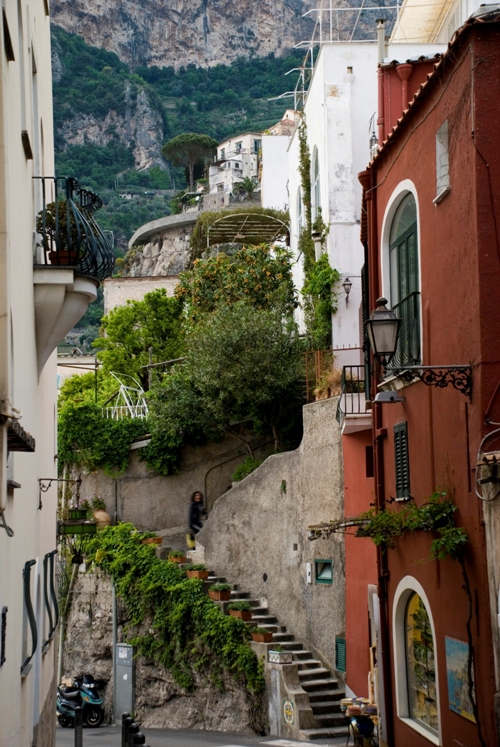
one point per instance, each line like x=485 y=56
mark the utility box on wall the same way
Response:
x=124 y=680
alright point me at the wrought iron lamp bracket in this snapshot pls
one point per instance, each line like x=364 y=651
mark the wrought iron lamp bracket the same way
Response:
x=44 y=484
x=460 y=377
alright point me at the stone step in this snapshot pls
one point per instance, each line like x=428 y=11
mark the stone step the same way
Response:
x=325 y=696
x=314 y=674
x=258 y=609
x=263 y=619
x=284 y=637
x=271 y=627
x=292 y=646
x=304 y=654
x=319 y=684
x=327 y=733
x=325 y=706
x=332 y=719
x=240 y=595
x=308 y=664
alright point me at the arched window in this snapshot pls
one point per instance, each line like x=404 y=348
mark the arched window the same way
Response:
x=316 y=190
x=420 y=665
x=404 y=278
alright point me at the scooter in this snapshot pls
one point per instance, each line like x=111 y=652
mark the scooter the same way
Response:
x=83 y=693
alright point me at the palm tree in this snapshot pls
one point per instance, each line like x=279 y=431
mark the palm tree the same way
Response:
x=246 y=186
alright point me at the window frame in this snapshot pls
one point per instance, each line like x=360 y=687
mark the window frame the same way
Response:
x=325 y=562
x=406 y=587
x=404 y=188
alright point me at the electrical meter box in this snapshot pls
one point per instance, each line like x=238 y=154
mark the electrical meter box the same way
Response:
x=124 y=680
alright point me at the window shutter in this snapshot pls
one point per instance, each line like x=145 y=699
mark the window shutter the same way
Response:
x=401 y=459
x=340 y=660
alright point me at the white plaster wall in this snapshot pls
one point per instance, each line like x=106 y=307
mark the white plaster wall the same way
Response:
x=338 y=108
x=274 y=180
x=24 y=703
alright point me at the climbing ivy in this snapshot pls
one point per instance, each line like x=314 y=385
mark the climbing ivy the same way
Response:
x=385 y=527
x=184 y=630
x=320 y=302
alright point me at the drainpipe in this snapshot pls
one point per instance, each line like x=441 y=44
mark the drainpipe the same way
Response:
x=379 y=433
x=380 y=59
x=404 y=73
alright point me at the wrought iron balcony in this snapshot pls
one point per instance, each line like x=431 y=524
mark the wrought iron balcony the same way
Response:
x=351 y=407
x=408 y=348
x=68 y=234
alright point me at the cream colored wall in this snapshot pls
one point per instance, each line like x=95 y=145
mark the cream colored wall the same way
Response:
x=22 y=700
x=117 y=291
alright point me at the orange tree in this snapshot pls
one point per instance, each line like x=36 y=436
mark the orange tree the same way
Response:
x=252 y=274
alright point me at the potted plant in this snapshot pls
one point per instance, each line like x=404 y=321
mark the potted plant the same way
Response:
x=278 y=655
x=177 y=556
x=63 y=249
x=197 y=570
x=152 y=541
x=220 y=592
x=241 y=609
x=100 y=514
x=261 y=635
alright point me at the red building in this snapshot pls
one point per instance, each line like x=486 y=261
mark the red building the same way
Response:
x=432 y=231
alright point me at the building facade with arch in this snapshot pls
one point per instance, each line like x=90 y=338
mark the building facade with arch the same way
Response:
x=430 y=228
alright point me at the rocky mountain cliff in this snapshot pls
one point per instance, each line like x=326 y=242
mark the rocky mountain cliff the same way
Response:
x=179 y=32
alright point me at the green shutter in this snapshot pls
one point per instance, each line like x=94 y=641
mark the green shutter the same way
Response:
x=402 y=464
x=340 y=663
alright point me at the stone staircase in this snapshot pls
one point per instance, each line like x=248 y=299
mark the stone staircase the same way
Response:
x=322 y=688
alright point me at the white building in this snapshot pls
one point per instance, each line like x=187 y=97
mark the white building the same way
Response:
x=46 y=284
x=236 y=159
x=341 y=99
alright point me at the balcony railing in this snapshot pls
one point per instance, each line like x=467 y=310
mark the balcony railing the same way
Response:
x=68 y=234
x=353 y=392
x=408 y=349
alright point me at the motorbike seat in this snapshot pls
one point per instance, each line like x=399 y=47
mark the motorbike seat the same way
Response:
x=70 y=693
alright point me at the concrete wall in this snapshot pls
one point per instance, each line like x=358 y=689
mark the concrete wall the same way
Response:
x=158 y=503
x=259 y=528
x=117 y=291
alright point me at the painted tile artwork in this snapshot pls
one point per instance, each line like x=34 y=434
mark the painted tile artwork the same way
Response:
x=457 y=654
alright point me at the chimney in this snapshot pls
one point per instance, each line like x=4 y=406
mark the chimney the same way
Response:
x=381 y=39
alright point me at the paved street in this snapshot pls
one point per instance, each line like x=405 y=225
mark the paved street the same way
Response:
x=110 y=736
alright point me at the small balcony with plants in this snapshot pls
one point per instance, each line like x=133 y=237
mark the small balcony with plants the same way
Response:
x=72 y=255
x=351 y=408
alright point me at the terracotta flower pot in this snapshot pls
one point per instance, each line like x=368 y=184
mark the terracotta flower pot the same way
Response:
x=152 y=541
x=262 y=637
x=177 y=558
x=220 y=596
x=63 y=257
x=245 y=615
x=103 y=519
x=197 y=574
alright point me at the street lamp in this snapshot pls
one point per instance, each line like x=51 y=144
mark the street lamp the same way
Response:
x=347 y=285
x=382 y=329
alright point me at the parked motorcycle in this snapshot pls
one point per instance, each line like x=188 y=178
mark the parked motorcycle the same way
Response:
x=84 y=693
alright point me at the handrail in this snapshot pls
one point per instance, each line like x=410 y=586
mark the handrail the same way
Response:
x=48 y=576
x=69 y=234
x=26 y=665
x=408 y=348
x=352 y=383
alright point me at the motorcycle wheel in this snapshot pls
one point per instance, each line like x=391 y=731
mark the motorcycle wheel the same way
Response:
x=65 y=721
x=94 y=716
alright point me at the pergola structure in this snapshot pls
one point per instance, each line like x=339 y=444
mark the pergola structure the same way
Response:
x=251 y=228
